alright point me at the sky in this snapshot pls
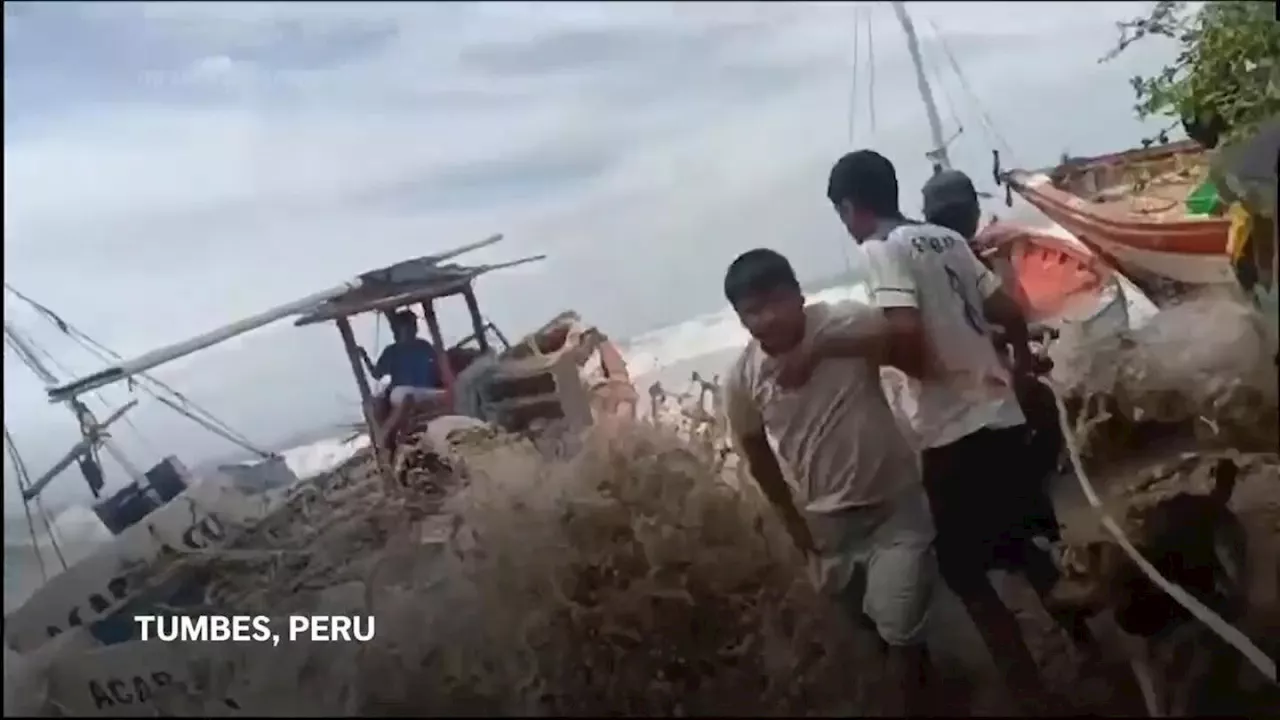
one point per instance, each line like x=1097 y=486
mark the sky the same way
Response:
x=172 y=167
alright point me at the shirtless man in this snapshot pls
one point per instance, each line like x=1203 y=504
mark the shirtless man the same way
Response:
x=940 y=302
x=851 y=499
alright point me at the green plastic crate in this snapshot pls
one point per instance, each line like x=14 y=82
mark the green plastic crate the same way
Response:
x=1204 y=200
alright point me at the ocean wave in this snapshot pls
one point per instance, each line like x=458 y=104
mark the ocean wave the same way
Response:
x=708 y=334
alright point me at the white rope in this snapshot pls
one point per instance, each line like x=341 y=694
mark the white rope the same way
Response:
x=1223 y=629
x=853 y=87
x=108 y=355
x=988 y=125
x=16 y=461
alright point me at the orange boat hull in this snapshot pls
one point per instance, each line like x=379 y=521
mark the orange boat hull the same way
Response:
x=1051 y=280
x=1190 y=250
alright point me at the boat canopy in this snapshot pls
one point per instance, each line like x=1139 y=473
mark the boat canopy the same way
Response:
x=423 y=281
x=405 y=283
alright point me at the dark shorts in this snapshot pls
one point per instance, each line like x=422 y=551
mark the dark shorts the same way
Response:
x=989 y=499
x=1046 y=443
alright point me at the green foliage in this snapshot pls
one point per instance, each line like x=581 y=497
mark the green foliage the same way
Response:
x=1227 y=70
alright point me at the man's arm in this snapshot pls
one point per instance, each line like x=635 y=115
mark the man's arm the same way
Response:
x=893 y=288
x=1001 y=309
x=747 y=427
x=364 y=357
x=846 y=330
x=379 y=369
x=853 y=330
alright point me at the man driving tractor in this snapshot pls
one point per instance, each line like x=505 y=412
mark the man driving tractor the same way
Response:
x=414 y=372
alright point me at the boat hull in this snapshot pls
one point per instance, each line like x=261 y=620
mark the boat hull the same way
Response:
x=1057 y=280
x=101 y=593
x=1186 y=249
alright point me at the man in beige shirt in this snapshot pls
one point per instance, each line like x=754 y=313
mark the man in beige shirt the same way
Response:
x=808 y=384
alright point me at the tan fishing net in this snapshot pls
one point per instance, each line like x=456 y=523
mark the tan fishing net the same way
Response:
x=628 y=580
x=1157 y=411
x=1206 y=362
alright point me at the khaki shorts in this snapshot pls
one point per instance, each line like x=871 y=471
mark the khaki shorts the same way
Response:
x=878 y=563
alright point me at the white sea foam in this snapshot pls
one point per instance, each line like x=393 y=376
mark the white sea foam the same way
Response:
x=708 y=334
x=307 y=461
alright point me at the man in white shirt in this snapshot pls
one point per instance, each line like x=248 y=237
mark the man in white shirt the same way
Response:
x=808 y=384
x=939 y=302
x=950 y=200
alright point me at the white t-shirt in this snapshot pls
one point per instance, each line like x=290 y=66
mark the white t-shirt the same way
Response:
x=836 y=438
x=934 y=270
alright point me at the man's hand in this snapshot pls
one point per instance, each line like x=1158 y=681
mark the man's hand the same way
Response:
x=795 y=368
x=800 y=535
x=763 y=466
x=1031 y=364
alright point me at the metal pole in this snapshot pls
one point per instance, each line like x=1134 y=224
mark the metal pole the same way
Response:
x=80 y=448
x=939 y=152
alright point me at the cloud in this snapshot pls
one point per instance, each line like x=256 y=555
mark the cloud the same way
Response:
x=170 y=167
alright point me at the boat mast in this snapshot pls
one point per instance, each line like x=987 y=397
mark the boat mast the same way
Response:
x=939 y=153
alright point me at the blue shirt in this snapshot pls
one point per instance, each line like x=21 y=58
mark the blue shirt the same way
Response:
x=411 y=363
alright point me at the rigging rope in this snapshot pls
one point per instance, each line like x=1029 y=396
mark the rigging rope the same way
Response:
x=988 y=124
x=859 y=18
x=26 y=354
x=951 y=105
x=853 y=91
x=86 y=418
x=11 y=449
x=208 y=419
x=24 y=481
x=871 y=71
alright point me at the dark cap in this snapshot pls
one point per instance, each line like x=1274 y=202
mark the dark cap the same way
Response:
x=948 y=188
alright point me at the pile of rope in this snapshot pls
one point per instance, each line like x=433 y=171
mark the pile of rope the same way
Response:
x=1158 y=415
x=1203 y=364
x=626 y=580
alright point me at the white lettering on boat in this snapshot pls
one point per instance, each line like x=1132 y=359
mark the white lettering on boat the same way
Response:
x=203 y=533
x=133 y=690
x=103 y=583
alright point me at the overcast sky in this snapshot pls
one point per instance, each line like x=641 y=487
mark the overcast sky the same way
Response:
x=171 y=167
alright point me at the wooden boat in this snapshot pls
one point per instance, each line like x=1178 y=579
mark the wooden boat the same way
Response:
x=1057 y=280
x=1129 y=208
